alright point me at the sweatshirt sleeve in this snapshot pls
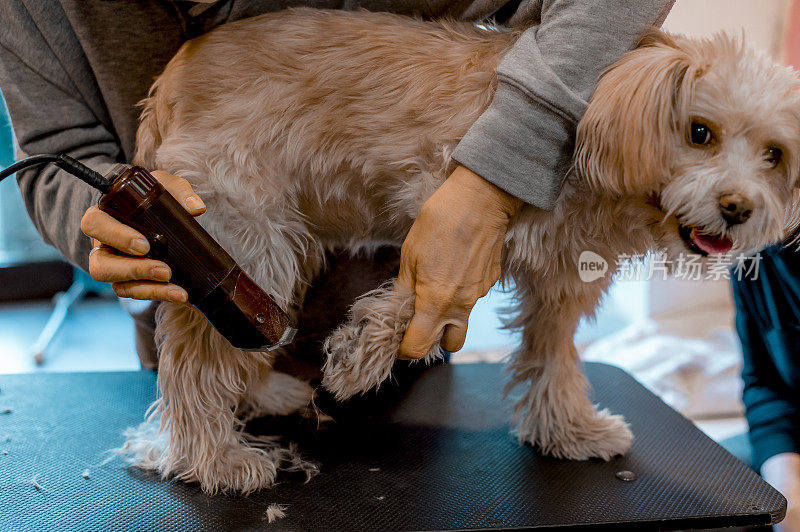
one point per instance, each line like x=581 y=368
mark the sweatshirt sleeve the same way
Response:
x=771 y=406
x=50 y=115
x=523 y=142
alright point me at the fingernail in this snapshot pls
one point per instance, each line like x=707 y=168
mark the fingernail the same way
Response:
x=178 y=296
x=160 y=273
x=140 y=245
x=195 y=203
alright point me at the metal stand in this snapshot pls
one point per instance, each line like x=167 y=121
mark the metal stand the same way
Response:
x=81 y=285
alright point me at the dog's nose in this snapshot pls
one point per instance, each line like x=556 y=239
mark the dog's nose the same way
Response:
x=735 y=208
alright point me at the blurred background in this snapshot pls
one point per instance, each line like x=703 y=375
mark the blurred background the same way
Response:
x=675 y=336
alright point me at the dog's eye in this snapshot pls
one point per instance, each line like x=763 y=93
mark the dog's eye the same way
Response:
x=700 y=133
x=774 y=156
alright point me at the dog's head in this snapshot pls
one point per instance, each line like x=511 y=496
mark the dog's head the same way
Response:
x=706 y=134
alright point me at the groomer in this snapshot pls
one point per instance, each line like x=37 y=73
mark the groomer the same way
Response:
x=72 y=72
x=768 y=322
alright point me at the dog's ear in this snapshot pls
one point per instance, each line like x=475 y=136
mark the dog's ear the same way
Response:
x=791 y=222
x=625 y=139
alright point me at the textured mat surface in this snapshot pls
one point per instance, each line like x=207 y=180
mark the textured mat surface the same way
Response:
x=436 y=454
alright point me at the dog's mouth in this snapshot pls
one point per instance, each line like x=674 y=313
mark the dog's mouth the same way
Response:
x=695 y=239
x=704 y=244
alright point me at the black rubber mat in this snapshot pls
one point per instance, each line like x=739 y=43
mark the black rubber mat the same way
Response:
x=436 y=455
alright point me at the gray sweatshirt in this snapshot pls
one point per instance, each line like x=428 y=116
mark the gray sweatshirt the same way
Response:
x=72 y=71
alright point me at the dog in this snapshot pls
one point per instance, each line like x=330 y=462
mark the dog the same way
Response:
x=311 y=130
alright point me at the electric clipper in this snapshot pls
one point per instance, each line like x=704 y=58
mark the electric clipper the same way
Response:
x=234 y=304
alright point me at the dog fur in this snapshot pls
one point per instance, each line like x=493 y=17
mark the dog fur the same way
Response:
x=308 y=130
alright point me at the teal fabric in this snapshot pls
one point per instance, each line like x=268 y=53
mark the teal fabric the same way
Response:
x=768 y=323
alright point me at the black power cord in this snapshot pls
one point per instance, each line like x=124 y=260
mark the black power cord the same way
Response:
x=66 y=163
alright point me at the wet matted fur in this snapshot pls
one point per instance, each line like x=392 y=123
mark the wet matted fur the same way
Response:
x=311 y=130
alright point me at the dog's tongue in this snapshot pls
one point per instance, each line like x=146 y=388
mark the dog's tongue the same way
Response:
x=711 y=244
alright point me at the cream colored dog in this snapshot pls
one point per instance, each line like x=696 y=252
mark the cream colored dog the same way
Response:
x=311 y=130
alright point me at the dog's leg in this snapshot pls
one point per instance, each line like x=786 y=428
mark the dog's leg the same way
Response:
x=360 y=354
x=555 y=413
x=278 y=394
x=193 y=433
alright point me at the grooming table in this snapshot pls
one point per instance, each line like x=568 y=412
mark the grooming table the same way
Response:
x=435 y=454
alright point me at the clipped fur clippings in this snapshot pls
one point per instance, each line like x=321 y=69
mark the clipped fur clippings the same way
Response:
x=36 y=484
x=275 y=511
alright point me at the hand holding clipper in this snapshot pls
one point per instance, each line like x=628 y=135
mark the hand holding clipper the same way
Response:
x=233 y=303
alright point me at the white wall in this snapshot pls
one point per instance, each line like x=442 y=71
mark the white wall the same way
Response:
x=762 y=21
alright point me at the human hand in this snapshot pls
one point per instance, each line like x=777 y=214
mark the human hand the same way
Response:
x=118 y=249
x=783 y=472
x=451 y=258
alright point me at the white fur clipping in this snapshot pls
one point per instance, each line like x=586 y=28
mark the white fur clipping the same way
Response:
x=36 y=484
x=275 y=511
x=361 y=353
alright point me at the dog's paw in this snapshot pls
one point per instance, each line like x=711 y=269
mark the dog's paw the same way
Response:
x=244 y=469
x=239 y=470
x=351 y=366
x=241 y=467
x=361 y=353
x=601 y=435
x=354 y=367
x=145 y=447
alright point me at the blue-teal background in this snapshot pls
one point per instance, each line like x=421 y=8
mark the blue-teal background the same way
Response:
x=6 y=142
x=19 y=241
